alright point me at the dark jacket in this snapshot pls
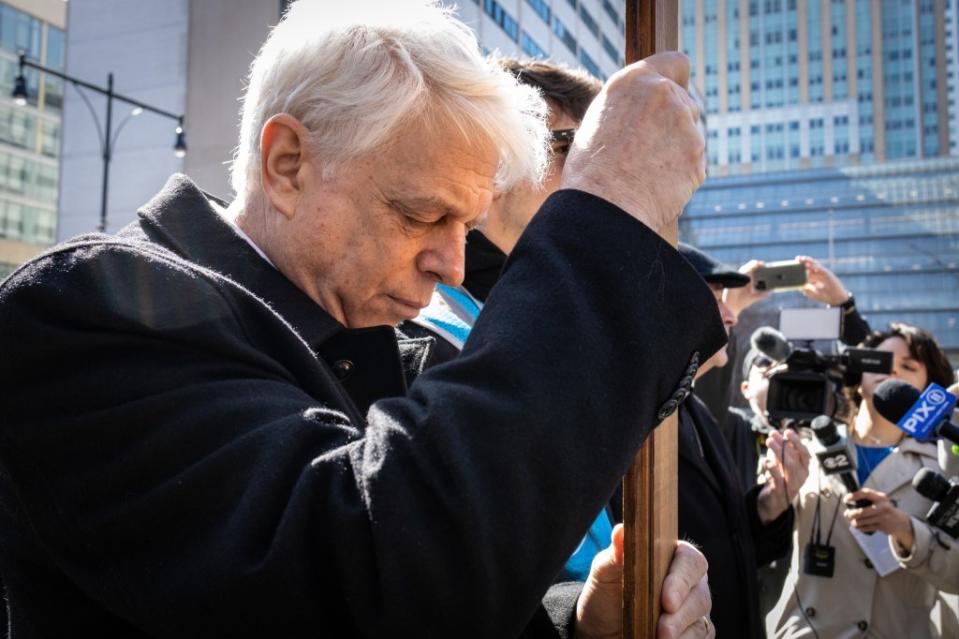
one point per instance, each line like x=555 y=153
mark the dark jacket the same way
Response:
x=720 y=515
x=191 y=447
x=717 y=497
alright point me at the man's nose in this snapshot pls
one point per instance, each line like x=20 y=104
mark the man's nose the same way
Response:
x=729 y=315
x=445 y=257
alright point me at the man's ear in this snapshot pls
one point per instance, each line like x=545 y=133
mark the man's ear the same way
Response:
x=283 y=158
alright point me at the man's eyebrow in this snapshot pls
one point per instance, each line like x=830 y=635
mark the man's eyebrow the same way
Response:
x=428 y=203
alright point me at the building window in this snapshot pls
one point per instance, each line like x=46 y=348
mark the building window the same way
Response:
x=590 y=64
x=531 y=48
x=563 y=34
x=502 y=18
x=589 y=21
x=610 y=50
x=541 y=9
x=611 y=12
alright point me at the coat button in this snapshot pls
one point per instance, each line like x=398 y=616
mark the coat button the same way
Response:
x=862 y=625
x=667 y=409
x=868 y=563
x=810 y=612
x=342 y=368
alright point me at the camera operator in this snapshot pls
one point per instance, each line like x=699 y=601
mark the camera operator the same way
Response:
x=857 y=582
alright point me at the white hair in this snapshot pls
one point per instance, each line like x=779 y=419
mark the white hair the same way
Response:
x=352 y=72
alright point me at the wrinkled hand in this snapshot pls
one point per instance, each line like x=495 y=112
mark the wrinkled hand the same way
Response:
x=822 y=285
x=787 y=464
x=882 y=515
x=739 y=299
x=638 y=145
x=686 y=600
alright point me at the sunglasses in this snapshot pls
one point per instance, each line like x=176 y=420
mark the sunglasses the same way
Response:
x=762 y=362
x=561 y=140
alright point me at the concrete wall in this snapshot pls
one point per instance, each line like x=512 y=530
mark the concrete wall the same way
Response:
x=224 y=36
x=144 y=44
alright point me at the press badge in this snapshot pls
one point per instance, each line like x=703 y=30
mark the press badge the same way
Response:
x=819 y=560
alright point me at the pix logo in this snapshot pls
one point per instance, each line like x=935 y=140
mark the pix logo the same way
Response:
x=933 y=406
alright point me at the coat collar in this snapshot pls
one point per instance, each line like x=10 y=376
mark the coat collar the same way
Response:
x=181 y=218
x=369 y=362
x=896 y=470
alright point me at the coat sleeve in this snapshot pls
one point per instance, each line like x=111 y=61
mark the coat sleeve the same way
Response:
x=854 y=327
x=166 y=453
x=773 y=540
x=934 y=556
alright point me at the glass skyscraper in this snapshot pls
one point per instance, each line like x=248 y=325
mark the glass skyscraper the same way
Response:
x=30 y=134
x=581 y=33
x=830 y=128
x=800 y=84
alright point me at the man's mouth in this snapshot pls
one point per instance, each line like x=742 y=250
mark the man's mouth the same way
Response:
x=412 y=306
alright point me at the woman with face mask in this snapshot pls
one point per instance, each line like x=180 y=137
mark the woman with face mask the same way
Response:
x=866 y=564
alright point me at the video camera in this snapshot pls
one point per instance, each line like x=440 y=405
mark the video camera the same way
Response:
x=811 y=382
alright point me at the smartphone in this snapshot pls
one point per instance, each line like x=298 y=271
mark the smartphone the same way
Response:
x=779 y=276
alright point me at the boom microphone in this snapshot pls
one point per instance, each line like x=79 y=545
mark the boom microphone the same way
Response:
x=924 y=416
x=771 y=343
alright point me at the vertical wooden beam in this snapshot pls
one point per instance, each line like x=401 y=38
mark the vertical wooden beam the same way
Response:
x=649 y=490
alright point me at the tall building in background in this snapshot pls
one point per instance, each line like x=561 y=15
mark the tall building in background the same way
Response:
x=580 y=33
x=192 y=56
x=811 y=83
x=30 y=134
x=832 y=132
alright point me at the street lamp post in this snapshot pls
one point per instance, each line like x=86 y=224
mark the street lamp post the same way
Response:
x=107 y=137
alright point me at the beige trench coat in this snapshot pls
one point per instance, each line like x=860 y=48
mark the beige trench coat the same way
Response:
x=856 y=602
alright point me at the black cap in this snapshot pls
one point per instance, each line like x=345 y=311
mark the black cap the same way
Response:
x=712 y=271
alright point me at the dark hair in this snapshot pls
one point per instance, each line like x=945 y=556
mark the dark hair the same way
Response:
x=570 y=89
x=922 y=347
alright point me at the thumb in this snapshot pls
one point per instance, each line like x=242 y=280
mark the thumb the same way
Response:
x=607 y=565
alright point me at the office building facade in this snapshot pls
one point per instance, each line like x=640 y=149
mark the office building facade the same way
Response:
x=890 y=231
x=580 y=33
x=811 y=83
x=29 y=134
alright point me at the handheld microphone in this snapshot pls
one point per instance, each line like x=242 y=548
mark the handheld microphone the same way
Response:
x=944 y=513
x=837 y=457
x=924 y=416
x=771 y=343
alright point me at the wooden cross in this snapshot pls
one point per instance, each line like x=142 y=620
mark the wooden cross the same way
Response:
x=650 y=487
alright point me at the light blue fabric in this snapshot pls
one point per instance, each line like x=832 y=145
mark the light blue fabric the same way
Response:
x=597 y=538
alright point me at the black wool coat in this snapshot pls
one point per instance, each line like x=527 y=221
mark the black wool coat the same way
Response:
x=719 y=514
x=190 y=446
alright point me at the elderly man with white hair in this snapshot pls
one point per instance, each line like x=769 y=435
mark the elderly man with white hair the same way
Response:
x=209 y=425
